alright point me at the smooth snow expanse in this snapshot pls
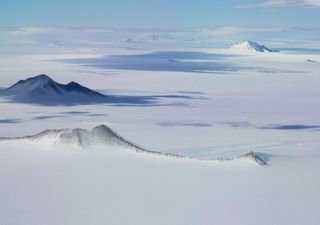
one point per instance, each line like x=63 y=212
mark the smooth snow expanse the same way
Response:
x=195 y=102
x=118 y=186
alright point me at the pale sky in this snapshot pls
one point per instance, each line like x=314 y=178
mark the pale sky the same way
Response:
x=161 y=13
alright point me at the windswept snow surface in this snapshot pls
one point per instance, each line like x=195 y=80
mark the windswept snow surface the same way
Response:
x=104 y=186
x=267 y=107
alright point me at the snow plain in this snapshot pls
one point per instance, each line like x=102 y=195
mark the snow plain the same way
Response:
x=225 y=105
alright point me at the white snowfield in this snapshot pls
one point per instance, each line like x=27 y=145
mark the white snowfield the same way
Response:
x=49 y=178
x=195 y=124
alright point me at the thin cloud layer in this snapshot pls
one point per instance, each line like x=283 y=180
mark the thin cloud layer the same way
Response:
x=282 y=3
x=25 y=31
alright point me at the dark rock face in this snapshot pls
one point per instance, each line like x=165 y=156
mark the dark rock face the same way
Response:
x=259 y=158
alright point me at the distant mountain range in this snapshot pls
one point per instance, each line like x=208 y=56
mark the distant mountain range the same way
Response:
x=251 y=46
x=104 y=137
x=43 y=89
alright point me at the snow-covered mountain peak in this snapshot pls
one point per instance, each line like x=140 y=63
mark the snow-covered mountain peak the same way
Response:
x=41 y=85
x=37 y=80
x=43 y=89
x=40 y=78
x=251 y=46
x=103 y=129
